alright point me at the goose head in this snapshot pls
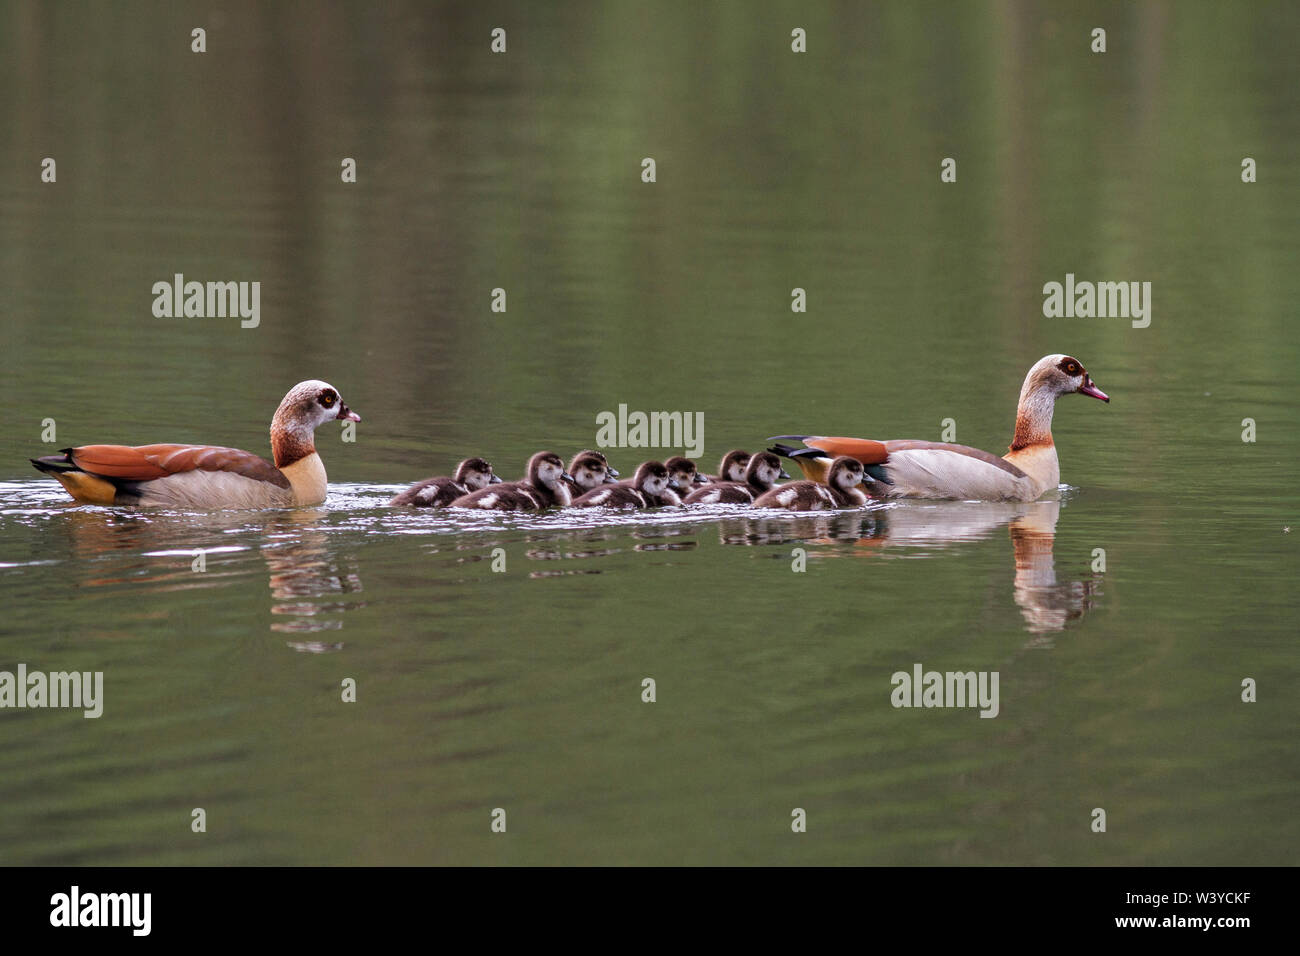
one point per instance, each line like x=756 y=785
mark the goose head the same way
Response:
x=590 y=469
x=475 y=473
x=546 y=470
x=845 y=474
x=732 y=466
x=652 y=477
x=682 y=473
x=1051 y=377
x=307 y=406
x=764 y=470
x=1057 y=375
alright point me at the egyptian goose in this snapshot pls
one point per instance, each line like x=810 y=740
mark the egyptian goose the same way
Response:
x=545 y=487
x=209 y=476
x=471 y=475
x=731 y=468
x=927 y=469
x=646 y=490
x=685 y=473
x=591 y=469
x=761 y=474
x=840 y=491
x=682 y=478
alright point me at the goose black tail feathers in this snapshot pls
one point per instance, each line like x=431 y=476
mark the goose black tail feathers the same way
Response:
x=55 y=464
x=789 y=451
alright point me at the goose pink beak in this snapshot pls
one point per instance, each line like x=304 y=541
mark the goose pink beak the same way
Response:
x=1092 y=391
x=346 y=414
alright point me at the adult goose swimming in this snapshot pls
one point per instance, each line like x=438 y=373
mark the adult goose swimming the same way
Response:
x=906 y=468
x=210 y=476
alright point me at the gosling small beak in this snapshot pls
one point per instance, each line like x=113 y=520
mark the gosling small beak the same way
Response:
x=346 y=414
x=674 y=483
x=1091 y=390
x=699 y=479
x=495 y=480
x=565 y=476
x=611 y=477
x=782 y=474
x=613 y=472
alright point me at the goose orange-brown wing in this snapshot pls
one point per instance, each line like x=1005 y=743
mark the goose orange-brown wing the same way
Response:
x=149 y=462
x=863 y=449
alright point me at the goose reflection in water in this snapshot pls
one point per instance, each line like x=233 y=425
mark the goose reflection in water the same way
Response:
x=307 y=579
x=1047 y=605
x=168 y=551
x=156 y=552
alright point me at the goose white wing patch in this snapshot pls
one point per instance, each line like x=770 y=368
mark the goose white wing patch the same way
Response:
x=939 y=473
x=207 y=489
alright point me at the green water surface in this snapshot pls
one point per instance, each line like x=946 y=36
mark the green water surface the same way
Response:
x=1120 y=684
